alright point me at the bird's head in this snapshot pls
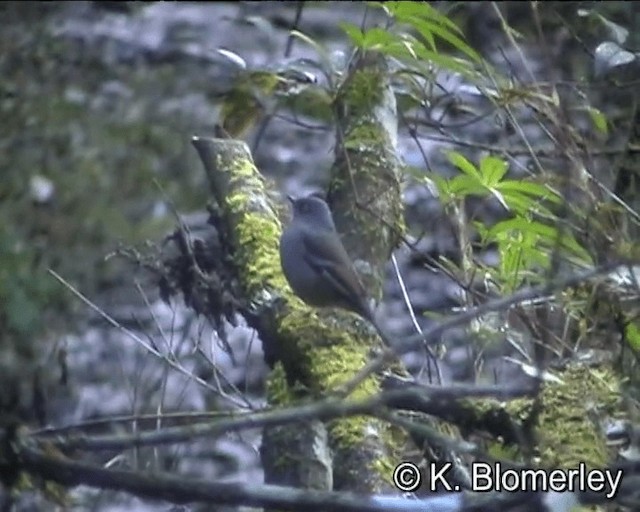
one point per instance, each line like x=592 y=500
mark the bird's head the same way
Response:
x=312 y=210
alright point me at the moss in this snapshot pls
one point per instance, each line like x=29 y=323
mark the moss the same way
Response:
x=324 y=357
x=367 y=135
x=256 y=232
x=349 y=432
x=570 y=415
x=385 y=466
x=317 y=354
x=264 y=265
x=321 y=355
x=335 y=364
x=364 y=90
x=360 y=433
x=277 y=389
x=567 y=427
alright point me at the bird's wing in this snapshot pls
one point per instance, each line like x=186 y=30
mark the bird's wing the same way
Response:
x=331 y=260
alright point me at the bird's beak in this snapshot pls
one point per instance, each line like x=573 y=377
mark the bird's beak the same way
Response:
x=291 y=199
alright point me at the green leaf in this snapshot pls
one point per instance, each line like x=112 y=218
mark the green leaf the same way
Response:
x=529 y=188
x=311 y=101
x=425 y=33
x=354 y=33
x=632 y=335
x=404 y=11
x=492 y=170
x=543 y=236
x=524 y=205
x=533 y=257
x=465 y=185
x=427 y=29
x=417 y=173
x=499 y=197
x=599 y=120
x=446 y=62
x=443 y=186
x=570 y=244
x=410 y=48
x=506 y=226
x=461 y=162
x=378 y=38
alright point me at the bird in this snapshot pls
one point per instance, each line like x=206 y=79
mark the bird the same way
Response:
x=318 y=268
x=315 y=262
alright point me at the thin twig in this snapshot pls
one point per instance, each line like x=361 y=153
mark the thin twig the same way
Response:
x=111 y=321
x=436 y=331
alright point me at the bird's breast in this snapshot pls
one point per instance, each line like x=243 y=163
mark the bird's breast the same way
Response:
x=305 y=280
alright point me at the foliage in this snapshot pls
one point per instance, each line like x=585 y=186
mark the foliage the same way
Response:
x=526 y=240
x=422 y=19
x=413 y=41
x=533 y=234
x=22 y=292
x=94 y=136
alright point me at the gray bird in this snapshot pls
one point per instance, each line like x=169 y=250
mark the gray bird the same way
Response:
x=315 y=262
